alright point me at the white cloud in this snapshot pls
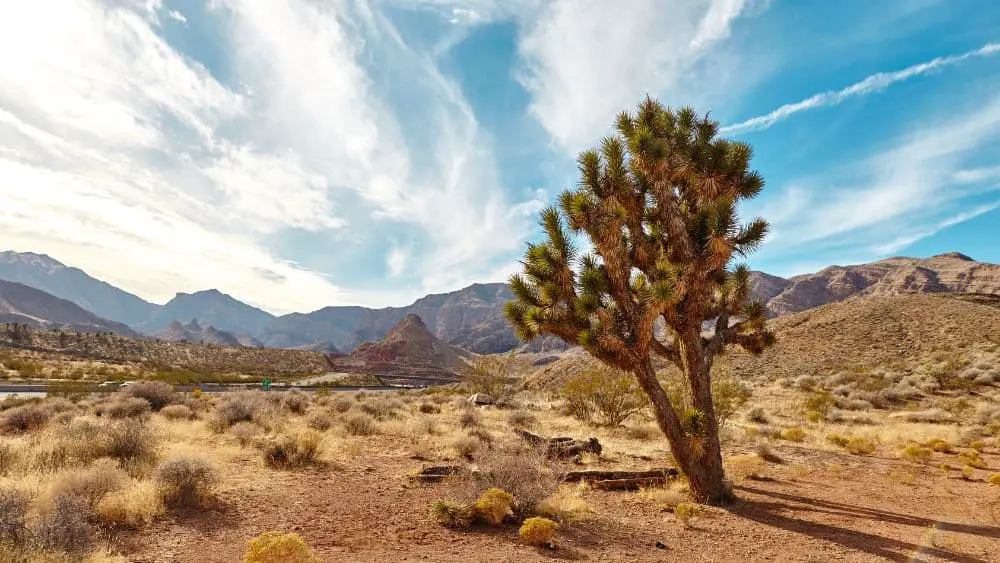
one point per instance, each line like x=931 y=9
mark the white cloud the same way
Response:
x=586 y=60
x=872 y=84
x=908 y=192
x=397 y=260
x=177 y=16
x=128 y=159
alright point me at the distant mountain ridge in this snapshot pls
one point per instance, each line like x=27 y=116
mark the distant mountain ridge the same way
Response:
x=195 y=331
x=472 y=318
x=23 y=304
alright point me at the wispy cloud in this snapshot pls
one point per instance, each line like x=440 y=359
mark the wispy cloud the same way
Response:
x=872 y=84
x=894 y=198
x=584 y=61
x=139 y=164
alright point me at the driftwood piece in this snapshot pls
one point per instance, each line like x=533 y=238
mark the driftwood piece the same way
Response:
x=623 y=480
x=436 y=473
x=562 y=447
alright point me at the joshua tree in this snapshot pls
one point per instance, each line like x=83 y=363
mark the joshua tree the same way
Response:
x=658 y=203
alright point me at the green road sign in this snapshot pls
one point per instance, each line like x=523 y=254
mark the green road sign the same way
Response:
x=266 y=384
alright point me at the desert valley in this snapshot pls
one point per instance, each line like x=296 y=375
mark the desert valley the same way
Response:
x=870 y=431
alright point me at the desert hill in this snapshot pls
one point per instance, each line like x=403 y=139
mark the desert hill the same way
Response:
x=23 y=304
x=893 y=337
x=411 y=343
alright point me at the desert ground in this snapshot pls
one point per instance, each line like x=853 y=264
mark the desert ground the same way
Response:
x=338 y=470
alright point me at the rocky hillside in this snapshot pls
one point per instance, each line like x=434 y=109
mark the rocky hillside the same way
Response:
x=195 y=331
x=23 y=304
x=51 y=276
x=411 y=343
x=951 y=272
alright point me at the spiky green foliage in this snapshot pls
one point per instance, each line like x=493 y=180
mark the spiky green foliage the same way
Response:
x=658 y=204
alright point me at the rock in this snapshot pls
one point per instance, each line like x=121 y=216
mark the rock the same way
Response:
x=481 y=399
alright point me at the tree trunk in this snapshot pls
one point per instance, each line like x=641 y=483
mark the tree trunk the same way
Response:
x=699 y=457
x=708 y=479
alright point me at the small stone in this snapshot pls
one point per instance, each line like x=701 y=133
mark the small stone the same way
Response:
x=661 y=545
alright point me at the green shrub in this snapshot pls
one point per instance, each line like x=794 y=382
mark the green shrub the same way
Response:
x=451 y=514
x=608 y=394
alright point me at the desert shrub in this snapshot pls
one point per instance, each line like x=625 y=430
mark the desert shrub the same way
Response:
x=429 y=408
x=917 y=453
x=130 y=507
x=793 y=434
x=820 y=401
x=977 y=445
x=8 y=457
x=465 y=446
x=240 y=406
x=381 y=409
x=805 y=382
x=177 y=412
x=186 y=481
x=132 y=444
x=947 y=375
x=994 y=479
x=765 y=453
x=126 y=407
x=521 y=419
x=728 y=395
x=973 y=459
x=608 y=394
x=940 y=446
x=245 y=432
x=847 y=417
x=644 y=432
x=295 y=401
x=744 y=466
x=286 y=451
x=278 y=547
x=520 y=470
x=158 y=393
x=860 y=445
x=62 y=525
x=341 y=404
x=685 y=512
x=493 y=505
x=91 y=483
x=469 y=419
x=538 y=531
x=24 y=418
x=483 y=436
x=319 y=421
x=359 y=424
x=493 y=376
x=985 y=414
x=758 y=415
x=13 y=514
x=452 y=514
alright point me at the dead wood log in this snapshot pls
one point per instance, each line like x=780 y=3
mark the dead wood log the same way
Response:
x=436 y=473
x=562 y=447
x=623 y=480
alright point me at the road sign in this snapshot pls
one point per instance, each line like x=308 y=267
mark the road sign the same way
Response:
x=266 y=384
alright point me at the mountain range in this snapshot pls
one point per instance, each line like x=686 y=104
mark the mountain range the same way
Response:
x=470 y=318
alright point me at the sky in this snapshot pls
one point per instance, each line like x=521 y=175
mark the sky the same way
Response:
x=303 y=153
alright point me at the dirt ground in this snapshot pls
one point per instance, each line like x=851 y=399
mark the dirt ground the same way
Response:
x=818 y=506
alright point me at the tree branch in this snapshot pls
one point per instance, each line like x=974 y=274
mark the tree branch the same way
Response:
x=668 y=351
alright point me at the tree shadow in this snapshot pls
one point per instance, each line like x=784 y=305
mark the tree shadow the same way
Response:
x=771 y=513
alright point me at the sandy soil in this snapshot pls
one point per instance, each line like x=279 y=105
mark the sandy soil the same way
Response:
x=819 y=506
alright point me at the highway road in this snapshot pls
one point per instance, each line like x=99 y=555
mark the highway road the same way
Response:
x=10 y=388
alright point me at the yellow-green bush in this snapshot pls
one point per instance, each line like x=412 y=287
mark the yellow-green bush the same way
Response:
x=685 y=512
x=494 y=505
x=915 y=452
x=973 y=459
x=994 y=479
x=940 y=446
x=277 y=547
x=538 y=531
x=793 y=434
x=860 y=445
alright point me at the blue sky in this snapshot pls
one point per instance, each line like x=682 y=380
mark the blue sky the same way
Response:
x=303 y=153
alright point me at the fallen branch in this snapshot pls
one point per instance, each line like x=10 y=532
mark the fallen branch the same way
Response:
x=436 y=473
x=562 y=447
x=623 y=480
